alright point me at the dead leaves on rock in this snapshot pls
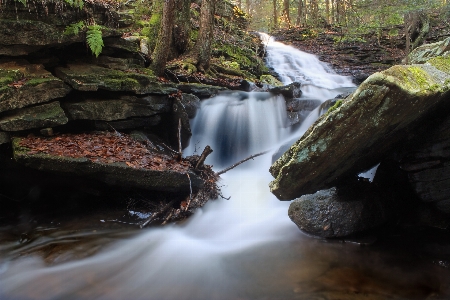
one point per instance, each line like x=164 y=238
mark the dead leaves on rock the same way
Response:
x=103 y=147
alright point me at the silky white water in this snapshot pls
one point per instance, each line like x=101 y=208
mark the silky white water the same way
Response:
x=205 y=257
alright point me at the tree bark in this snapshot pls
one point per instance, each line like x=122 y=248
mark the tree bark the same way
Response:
x=205 y=34
x=299 y=21
x=275 y=15
x=182 y=27
x=162 y=47
x=286 y=12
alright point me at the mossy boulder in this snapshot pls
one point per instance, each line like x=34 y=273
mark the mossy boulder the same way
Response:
x=44 y=115
x=356 y=135
x=426 y=52
x=23 y=84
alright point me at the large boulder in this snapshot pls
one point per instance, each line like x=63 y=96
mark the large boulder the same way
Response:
x=328 y=213
x=356 y=135
x=425 y=52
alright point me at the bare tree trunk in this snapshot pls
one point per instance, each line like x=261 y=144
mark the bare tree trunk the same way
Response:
x=239 y=4
x=275 y=14
x=286 y=12
x=299 y=21
x=248 y=4
x=327 y=12
x=205 y=34
x=182 y=27
x=162 y=47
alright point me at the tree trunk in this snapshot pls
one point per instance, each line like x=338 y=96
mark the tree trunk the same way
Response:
x=286 y=12
x=275 y=15
x=162 y=47
x=327 y=12
x=182 y=27
x=299 y=21
x=205 y=34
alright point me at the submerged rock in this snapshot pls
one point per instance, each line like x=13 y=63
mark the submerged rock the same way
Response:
x=360 y=132
x=288 y=91
x=328 y=214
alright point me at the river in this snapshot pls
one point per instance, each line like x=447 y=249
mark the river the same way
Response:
x=242 y=248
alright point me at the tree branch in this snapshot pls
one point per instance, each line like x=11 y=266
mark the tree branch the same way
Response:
x=240 y=162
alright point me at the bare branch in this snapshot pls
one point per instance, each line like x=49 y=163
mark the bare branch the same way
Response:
x=240 y=162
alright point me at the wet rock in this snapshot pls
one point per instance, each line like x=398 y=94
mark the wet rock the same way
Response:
x=200 y=90
x=360 y=132
x=117 y=108
x=86 y=77
x=191 y=104
x=23 y=84
x=45 y=115
x=288 y=91
x=328 y=213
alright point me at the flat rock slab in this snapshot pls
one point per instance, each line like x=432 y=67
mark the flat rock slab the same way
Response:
x=23 y=84
x=86 y=77
x=44 y=115
x=355 y=136
x=105 y=168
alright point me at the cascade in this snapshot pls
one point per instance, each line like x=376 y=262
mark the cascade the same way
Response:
x=224 y=248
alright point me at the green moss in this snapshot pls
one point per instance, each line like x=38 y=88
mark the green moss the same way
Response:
x=9 y=76
x=335 y=106
x=37 y=81
x=441 y=63
x=269 y=79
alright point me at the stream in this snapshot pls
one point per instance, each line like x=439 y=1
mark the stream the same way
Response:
x=242 y=248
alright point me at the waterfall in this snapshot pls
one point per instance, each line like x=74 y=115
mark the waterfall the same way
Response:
x=222 y=248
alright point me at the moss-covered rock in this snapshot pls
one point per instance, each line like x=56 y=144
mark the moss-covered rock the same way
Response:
x=23 y=84
x=360 y=132
x=85 y=77
x=45 y=115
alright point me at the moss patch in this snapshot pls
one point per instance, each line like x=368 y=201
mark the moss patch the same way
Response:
x=441 y=63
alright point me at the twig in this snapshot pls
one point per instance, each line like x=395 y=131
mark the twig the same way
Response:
x=207 y=151
x=190 y=195
x=240 y=162
x=168 y=217
x=180 y=149
x=153 y=217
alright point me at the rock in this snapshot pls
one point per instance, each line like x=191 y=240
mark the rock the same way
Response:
x=4 y=138
x=427 y=162
x=288 y=91
x=116 y=173
x=270 y=80
x=23 y=84
x=119 y=107
x=191 y=104
x=359 y=133
x=47 y=131
x=132 y=123
x=425 y=52
x=200 y=90
x=86 y=77
x=45 y=115
x=329 y=214
x=302 y=104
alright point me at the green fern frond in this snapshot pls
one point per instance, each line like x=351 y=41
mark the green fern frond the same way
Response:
x=94 y=39
x=74 y=28
x=24 y=2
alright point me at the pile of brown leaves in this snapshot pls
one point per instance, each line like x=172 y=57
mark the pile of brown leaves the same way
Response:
x=104 y=147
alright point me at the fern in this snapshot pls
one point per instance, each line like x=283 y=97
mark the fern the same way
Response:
x=24 y=2
x=74 y=28
x=94 y=39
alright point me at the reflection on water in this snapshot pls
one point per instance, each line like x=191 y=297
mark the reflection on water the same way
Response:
x=242 y=248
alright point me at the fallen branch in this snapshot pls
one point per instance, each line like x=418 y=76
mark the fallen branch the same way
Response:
x=153 y=216
x=180 y=149
x=207 y=151
x=240 y=162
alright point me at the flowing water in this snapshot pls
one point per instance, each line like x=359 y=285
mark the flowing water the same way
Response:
x=242 y=248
